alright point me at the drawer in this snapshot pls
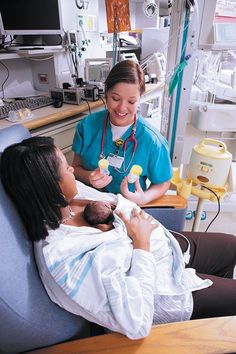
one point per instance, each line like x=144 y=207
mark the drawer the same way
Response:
x=63 y=137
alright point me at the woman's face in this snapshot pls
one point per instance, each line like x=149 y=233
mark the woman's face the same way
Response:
x=122 y=102
x=67 y=178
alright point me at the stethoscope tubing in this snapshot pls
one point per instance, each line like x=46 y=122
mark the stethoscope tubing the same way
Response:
x=131 y=138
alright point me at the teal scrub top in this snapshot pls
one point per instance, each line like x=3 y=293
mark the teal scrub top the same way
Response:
x=152 y=152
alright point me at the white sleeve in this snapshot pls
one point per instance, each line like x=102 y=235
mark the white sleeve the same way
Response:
x=90 y=193
x=131 y=297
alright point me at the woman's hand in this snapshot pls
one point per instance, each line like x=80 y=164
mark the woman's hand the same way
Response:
x=138 y=196
x=99 y=180
x=139 y=228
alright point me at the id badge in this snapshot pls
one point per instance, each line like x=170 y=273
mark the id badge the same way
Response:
x=115 y=161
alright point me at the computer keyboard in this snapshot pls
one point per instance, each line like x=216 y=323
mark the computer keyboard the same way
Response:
x=30 y=102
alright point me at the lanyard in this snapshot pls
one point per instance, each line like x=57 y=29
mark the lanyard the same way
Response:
x=131 y=138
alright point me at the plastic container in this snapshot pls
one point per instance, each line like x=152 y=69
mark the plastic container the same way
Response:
x=134 y=173
x=103 y=165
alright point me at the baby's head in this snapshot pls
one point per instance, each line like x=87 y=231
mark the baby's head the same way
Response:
x=98 y=213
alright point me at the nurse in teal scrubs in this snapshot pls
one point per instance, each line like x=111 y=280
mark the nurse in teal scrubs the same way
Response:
x=120 y=135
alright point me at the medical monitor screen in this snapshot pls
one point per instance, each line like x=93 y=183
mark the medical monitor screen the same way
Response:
x=30 y=17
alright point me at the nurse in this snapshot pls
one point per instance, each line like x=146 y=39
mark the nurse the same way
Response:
x=120 y=135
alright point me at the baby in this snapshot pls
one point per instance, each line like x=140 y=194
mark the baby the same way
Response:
x=162 y=247
x=100 y=215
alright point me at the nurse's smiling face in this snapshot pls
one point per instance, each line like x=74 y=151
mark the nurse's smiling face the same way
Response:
x=122 y=102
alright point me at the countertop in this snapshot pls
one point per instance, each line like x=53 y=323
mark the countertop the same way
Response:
x=46 y=115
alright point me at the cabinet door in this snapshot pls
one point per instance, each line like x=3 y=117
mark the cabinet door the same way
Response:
x=62 y=133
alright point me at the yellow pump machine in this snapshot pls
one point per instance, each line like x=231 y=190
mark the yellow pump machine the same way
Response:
x=207 y=174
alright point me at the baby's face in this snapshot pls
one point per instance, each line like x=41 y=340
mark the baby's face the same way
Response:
x=99 y=208
x=106 y=207
x=109 y=206
x=103 y=211
x=99 y=212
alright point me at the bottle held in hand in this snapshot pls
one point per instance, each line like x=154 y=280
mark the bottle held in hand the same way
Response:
x=134 y=173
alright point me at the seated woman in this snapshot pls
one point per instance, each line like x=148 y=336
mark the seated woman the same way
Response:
x=108 y=277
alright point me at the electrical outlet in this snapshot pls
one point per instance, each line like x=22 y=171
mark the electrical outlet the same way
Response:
x=43 y=78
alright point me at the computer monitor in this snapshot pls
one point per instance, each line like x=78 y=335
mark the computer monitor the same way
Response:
x=30 y=17
x=97 y=70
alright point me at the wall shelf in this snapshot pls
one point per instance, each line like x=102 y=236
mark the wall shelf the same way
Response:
x=213 y=117
x=26 y=53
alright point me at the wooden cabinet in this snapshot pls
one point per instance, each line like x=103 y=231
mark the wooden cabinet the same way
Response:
x=62 y=132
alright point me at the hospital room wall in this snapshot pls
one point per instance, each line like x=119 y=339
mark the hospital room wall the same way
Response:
x=58 y=68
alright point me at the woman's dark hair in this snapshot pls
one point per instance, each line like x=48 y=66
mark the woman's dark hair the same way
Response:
x=30 y=176
x=127 y=71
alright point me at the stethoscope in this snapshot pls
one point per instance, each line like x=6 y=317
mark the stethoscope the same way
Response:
x=120 y=142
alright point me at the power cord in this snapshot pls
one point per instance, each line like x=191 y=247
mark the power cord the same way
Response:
x=84 y=99
x=7 y=76
x=101 y=98
x=186 y=254
x=218 y=202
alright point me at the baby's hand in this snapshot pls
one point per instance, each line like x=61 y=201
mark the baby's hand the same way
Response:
x=139 y=228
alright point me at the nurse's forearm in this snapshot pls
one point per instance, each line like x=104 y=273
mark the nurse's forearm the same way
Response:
x=155 y=191
x=81 y=174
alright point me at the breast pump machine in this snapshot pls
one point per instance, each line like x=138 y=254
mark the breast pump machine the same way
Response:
x=207 y=174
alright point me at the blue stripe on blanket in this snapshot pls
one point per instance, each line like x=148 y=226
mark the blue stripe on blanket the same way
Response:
x=54 y=266
x=57 y=264
x=85 y=271
x=61 y=270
